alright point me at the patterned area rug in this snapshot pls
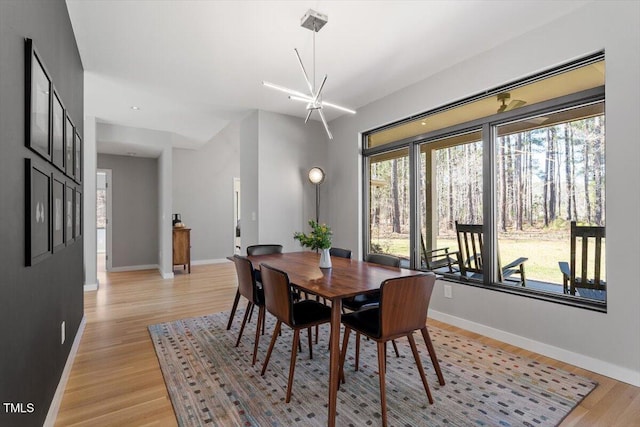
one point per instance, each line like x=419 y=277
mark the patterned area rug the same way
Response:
x=212 y=383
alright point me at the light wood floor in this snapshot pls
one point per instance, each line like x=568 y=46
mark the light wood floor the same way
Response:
x=116 y=379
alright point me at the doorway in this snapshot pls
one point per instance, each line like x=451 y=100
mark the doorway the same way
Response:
x=103 y=220
x=237 y=246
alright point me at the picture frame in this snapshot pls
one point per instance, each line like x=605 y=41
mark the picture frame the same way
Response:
x=38 y=213
x=77 y=216
x=68 y=214
x=69 y=134
x=38 y=96
x=58 y=124
x=57 y=214
x=77 y=157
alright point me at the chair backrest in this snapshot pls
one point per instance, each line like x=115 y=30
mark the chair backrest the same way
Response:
x=246 y=278
x=383 y=259
x=586 y=234
x=339 y=252
x=277 y=293
x=470 y=244
x=264 y=249
x=404 y=302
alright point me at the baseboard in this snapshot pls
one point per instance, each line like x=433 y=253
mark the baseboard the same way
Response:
x=90 y=287
x=166 y=275
x=586 y=362
x=134 y=268
x=210 y=261
x=52 y=414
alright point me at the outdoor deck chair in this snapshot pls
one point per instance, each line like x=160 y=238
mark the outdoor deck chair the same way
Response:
x=471 y=244
x=595 y=287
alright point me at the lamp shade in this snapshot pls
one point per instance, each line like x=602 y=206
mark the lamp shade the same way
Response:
x=316 y=175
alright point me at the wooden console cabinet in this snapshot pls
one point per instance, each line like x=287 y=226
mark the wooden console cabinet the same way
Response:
x=182 y=247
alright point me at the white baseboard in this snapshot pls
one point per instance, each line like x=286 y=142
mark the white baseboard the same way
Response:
x=90 y=287
x=52 y=414
x=166 y=275
x=134 y=268
x=210 y=261
x=586 y=362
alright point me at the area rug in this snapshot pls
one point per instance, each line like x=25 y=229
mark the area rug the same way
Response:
x=212 y=383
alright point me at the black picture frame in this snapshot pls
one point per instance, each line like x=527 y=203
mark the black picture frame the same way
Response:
x=68 y=214
x=77 y=158
x=69 y=133
x=57 y=214
x=38 y=213
x=38 y=96
x=58 y=124
x=77 y=215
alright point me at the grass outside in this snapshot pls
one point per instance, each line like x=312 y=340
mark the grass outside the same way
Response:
x=543 y=255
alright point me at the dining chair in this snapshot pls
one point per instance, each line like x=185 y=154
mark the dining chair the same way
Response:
x=372 y=299
x=297 y=315
x=404 y=302
x=253 y=250
x=248 y=288
x=339 y=252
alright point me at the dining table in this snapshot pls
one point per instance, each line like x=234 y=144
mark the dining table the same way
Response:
x=346 y=278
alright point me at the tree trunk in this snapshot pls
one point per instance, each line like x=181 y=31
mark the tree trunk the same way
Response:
x=502 y=201
x=394 y=197
x=552 y=176
x=450 y=173
x=568 y=166
x=547 y=183
x=587 y=199
x=598 y=162
x=519 y=183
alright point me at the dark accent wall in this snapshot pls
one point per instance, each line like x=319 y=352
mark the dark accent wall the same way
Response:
x=134 y=209
x=34 y=300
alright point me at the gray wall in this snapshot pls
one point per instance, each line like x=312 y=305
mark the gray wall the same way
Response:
x=134 y=208
x=608 y=343
x=249 y=180
x=34 y=300
x=203 y=193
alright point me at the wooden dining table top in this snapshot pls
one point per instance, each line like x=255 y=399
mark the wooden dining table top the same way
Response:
x=346 y=278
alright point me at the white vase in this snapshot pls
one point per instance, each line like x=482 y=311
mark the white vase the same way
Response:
x=325 y=258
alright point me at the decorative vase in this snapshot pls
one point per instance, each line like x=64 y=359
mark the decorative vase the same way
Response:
x=325 y=258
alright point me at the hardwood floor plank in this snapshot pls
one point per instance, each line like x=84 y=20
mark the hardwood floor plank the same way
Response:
x=116 y=379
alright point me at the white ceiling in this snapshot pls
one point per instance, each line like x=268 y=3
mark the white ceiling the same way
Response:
x=193 y=66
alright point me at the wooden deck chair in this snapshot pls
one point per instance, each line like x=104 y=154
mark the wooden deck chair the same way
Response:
x=587 y=287
x=470 y=244
x=438 y=260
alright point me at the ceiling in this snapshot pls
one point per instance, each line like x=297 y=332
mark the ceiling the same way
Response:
x=193 y=66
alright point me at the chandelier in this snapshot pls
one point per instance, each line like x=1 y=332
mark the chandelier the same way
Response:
x=313 y=21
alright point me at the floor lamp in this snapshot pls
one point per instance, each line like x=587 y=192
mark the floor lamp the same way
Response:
x=316 y=177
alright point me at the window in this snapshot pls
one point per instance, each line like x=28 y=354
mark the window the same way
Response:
x=514 y=169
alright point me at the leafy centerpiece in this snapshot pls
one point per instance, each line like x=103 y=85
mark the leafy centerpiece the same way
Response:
x=319 y=238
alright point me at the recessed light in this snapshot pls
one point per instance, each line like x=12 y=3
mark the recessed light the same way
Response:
x=423 y=123
x=135 y=108
x=131 y=153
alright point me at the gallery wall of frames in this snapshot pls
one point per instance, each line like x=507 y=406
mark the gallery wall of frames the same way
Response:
x=53 y=190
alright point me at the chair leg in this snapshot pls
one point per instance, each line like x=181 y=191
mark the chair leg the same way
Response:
x=310 y=346
x=416 y=356
x=432 y=354
x=317 y=329
x=261 y=311
x=381 y=370
x=292 y=365
x=343 y=352
x=264 y=318
x=276 y=332
x=357 y=350
x=395 y=347
x=251 y=313
x=233 y=309
x=244 y=321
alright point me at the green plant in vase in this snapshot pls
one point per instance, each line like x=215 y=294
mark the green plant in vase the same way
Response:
x=319 y=238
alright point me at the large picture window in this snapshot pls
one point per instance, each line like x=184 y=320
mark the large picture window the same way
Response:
x=505 y=190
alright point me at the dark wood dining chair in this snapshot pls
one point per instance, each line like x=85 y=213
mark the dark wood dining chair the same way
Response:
x=341 y=253
x=404 y=302
x=582 y=238
x=253 y=250
x=372 y=299
x=304 y=314
x=248 y=288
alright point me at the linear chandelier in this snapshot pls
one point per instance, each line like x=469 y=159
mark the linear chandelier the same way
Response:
x=313 y=21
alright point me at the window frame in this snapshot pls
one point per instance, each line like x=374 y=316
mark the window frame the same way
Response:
x=488 y=125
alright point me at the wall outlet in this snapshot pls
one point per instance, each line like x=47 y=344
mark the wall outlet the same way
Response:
x=448 y=291
x=62 y=332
